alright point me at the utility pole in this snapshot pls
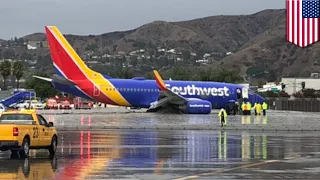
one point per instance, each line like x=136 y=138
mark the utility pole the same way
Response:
x=294 y=85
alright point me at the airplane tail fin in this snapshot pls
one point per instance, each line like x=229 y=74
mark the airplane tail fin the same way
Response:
x=65 y=59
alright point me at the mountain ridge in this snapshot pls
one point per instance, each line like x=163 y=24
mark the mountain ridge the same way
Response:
x=250 y=43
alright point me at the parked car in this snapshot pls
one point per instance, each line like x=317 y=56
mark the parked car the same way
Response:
x=52 y=104
x=33 y=104
x=64 y=104
x=81 y=103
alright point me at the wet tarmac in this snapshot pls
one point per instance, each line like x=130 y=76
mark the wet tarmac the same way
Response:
x=170 y=154
x=120 y=118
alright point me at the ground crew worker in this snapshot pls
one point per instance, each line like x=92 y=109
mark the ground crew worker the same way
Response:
x=236 y=108
x=255 y=110
x=249 y=108
x=228 y=108
x=264 y=108
x=243 y=108
x=258 y=109
x=223 y=117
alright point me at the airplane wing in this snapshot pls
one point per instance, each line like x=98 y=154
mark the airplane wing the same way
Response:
x=56 y=79
x=43 y=78
x=167 y=96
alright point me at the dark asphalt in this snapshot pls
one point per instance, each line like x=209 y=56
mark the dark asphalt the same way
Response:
x=152 y=154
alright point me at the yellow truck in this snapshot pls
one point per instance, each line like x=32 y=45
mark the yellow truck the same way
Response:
x=23 y=130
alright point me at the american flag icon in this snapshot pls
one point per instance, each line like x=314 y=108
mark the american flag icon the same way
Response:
x=303 y=22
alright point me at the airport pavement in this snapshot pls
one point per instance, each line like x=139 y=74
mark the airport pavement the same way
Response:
x=121 y=118
x=179 y=155
x=99 y=150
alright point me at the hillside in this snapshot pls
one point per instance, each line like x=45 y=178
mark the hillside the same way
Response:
x=256 y=42
x=269 y=50
x=211 y=34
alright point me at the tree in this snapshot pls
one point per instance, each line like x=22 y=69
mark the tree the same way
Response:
x=222 y=75
x=180 y=73
x=43 y=89
x=228 y=76
x=17 y=71
x=186 y=55
x=5 y=70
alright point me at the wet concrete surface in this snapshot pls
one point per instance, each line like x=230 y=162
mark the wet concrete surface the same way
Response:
x=123 y=154
x=120 y=118
x=170 y=154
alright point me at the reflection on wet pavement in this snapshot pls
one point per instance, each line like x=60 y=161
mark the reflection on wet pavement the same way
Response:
x=166 y=155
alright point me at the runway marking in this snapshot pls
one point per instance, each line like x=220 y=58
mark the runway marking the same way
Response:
x=226 y=170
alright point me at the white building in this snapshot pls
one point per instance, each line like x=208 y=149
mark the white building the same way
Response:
x=269 y=87
x=294 y=84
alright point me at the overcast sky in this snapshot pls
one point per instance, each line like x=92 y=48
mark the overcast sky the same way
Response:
x=82 y=17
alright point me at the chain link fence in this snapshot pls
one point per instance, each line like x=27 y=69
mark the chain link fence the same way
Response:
x=306 y=105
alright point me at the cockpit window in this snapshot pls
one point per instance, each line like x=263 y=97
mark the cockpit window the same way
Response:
x=250 y=92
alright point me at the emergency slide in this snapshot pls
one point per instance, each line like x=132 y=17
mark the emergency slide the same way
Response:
x=17 y=97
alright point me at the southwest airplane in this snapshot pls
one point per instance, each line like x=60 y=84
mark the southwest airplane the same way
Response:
x=190 y=97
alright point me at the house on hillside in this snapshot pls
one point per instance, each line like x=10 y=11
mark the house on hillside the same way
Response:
x=45 y=44
x=37 y=44
x=121 y=53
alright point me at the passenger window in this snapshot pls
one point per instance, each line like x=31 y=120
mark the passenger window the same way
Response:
x=42 y=121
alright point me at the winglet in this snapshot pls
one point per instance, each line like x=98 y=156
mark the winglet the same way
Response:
x=159 y=81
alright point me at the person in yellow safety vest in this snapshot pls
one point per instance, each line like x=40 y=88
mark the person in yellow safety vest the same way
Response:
x=258 y=109
x=242 y=108
x=249 y=108
x=223 y=117
x=255 y=110
x=264 y=108
x=245 y=109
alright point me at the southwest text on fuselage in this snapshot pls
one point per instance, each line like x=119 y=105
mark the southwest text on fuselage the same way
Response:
x=193 y=90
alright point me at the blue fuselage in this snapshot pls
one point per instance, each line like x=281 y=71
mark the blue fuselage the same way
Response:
x=141 y=93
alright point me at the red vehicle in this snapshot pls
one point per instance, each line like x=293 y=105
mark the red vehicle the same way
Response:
x=65 y=104
x=81 y=103
x=52 y=104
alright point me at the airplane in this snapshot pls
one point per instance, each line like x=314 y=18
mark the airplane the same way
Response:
x=190 y=97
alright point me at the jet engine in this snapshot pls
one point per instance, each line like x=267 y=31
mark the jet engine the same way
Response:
x=196 y=107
